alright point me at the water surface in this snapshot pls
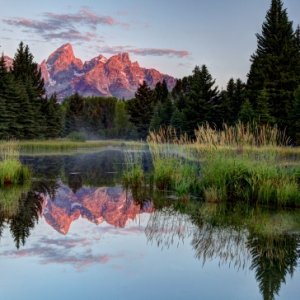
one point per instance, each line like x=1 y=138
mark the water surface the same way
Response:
x=75 y=233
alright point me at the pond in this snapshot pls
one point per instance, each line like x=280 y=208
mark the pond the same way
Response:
x=76 y=233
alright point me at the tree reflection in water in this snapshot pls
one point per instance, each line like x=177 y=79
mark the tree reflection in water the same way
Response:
x=241 y=236
x=21 y=207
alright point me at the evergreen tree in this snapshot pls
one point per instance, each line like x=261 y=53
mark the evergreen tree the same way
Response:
x=199 y=100
x=26 y=115
x=177 y=120
x=262 y=112
x=12 y=97
x=296 y=117
x=161 y=92
x=247 y=113
x=276 y=64
x=122 y=127
x=54 y=118
x=74 y=113
x=156 y=120
x=4 y=117
x=27 y=73
x=141 y=109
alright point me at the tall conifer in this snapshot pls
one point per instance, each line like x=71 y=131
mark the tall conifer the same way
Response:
x=276 y=64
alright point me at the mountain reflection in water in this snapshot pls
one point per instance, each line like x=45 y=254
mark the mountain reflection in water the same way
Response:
x=266 y=242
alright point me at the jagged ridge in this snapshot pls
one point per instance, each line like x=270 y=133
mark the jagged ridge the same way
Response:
x=117 y=76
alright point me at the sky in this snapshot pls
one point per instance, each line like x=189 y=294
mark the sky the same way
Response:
x=172 y=36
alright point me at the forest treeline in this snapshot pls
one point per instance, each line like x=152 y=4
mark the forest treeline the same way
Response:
x=271 y=95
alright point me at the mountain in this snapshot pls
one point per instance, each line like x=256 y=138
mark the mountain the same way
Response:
x=8 y=61
x=106 y=204
x=118 y=76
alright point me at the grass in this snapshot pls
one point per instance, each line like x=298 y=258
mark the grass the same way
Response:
x=170 y=170
x=242 y=178
x=10 y=199
x=133 y=175
x=58 y=145
x=239 y=163
x=12 y=172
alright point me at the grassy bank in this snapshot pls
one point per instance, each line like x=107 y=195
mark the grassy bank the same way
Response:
x=62 y=145
x=12 y=172
x=240 y=163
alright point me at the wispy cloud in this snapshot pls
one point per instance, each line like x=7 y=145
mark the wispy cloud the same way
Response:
x=70 y=35
x=65 y=26
x=60 y=251
x=84 y=16
x=145 y=51
x=57 y=256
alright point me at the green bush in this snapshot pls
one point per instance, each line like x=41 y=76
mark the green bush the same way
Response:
x=76 y=136
x=13 y=172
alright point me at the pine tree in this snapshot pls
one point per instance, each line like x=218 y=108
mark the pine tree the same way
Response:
x=141 y=109
x=27 y=73
x=11 y=98
x=199 y=100
x=4 y=118
x=276 y=64
x=247 y=114
x=53 y=116
x=262 y=112
x=122 y=127
x=177 y=120
x=26 y=115
x=156 y=120
x=161 y=92
x=74 y=113
x=296 y=117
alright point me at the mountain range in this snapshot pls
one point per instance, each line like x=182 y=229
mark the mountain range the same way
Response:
x=117 y=76
x=112 y=205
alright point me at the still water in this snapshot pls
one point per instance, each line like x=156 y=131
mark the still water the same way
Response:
x=77 y=234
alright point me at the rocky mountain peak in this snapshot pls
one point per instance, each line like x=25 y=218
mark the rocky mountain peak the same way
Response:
x=8 y=61
x=63 y=58
x=117 y=76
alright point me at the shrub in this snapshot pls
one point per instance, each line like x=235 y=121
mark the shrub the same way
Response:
x=76 y=136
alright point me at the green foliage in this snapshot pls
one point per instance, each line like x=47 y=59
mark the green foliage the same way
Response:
x=231 y=101
x=54 y=117
x=133 y=174
x=122 y=128
x=296 y=117
x=22 y=101
x=262 y=108
x=76 y=136
x=141 y=109
x=93 y=115
x=275 y=65
x=13 y=172
x=247 y=113
x=242 y=178
x=195 y=98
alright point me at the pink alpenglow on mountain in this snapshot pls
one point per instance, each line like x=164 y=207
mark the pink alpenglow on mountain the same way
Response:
x=8 y=62
x=106 y=204
x=64 y=74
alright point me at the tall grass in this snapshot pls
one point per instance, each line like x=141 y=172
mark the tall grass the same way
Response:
x=240 y=178
x=241 y=135
x=12 y=171
x=10 y=199
x=133 y=175
x=171 y=170
x=237 y=163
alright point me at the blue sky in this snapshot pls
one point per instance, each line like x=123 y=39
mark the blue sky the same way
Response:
x=171 y=36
